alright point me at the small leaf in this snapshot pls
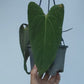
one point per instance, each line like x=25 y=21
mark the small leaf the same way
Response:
x=45 y=34
x=24 y=41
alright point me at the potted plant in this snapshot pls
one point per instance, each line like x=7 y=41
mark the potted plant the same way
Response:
x=41 y=39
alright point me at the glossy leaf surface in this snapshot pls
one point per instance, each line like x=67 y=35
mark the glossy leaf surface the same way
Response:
x=45 y=34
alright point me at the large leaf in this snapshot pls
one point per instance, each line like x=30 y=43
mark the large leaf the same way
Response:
x=45 y=34
x=24 y=40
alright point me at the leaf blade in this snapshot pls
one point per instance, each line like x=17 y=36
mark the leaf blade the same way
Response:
x=24 y=40
x=45 y=34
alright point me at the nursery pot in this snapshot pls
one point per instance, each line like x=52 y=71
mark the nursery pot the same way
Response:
x=58 y=64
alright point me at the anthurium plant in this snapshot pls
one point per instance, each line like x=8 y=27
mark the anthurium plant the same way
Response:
x=43 y=33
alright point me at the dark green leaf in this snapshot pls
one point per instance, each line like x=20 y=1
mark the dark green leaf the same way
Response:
x=45 y=34
x=24 y=40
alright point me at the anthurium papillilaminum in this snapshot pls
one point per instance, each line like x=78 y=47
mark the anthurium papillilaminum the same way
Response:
x=45 y=33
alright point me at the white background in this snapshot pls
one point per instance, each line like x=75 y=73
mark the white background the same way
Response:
x=12 y=14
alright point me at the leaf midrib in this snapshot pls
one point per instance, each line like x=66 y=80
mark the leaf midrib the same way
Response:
x=45 y=34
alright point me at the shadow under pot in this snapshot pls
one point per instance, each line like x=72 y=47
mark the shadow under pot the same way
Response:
x=57 y=65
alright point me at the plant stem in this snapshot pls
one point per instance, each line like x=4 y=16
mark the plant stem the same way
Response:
x=54 y=2
x=40 y=2
x=48 y=5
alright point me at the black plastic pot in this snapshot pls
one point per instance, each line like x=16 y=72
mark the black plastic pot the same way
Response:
x=58 y=64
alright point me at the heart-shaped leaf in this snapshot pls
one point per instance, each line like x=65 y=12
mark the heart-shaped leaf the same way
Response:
x=24 y=40
x=45 y=34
